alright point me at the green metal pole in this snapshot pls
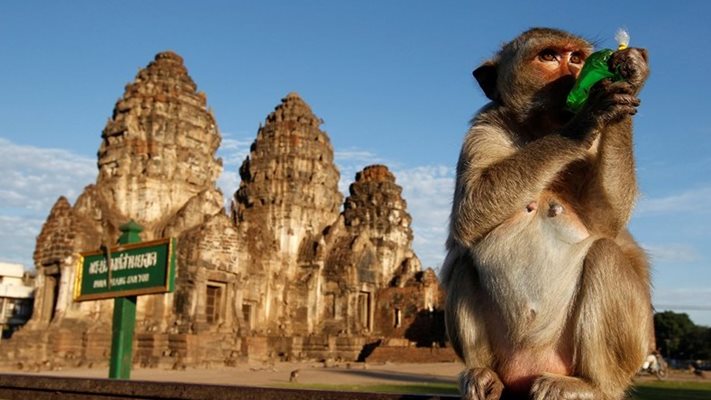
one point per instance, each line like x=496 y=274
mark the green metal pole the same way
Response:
x=124 y=317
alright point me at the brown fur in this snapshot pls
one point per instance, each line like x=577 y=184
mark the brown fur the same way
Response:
x=547 y=293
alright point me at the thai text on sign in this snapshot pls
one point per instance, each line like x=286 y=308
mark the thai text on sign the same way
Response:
x=134 y=269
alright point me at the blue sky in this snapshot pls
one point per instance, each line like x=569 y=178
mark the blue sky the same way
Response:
x=391 y=79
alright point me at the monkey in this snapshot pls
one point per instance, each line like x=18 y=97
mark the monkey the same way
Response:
x=548 y=296
x=294 y=376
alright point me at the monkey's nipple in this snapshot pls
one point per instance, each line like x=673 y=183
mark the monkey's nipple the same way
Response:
x=554 y=209
x=532 y=206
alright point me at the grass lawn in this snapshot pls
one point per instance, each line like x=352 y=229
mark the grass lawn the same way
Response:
x=671 y=390
x=652 y=390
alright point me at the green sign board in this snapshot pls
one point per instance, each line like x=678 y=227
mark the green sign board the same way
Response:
x=133 y=269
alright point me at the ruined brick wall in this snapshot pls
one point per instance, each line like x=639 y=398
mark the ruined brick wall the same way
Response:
x=412 y=308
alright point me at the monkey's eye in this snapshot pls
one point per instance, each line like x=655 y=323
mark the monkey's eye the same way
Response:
x=548 y=55
x=576 y=58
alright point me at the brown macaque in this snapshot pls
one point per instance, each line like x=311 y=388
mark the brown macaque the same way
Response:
x=548 y=295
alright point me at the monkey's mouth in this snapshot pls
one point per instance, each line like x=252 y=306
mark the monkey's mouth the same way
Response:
x=552 y=97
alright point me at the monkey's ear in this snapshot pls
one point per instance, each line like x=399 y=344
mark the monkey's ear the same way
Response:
x=486 y=75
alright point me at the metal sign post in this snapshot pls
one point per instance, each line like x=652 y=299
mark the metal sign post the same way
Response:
x=122 y=337
x=124 y=320
x=133 y=268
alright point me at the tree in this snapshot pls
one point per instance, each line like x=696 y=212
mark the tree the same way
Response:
x=670 y=328
x=678 y=337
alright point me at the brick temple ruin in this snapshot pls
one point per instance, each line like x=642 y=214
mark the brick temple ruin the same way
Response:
x=293 y=271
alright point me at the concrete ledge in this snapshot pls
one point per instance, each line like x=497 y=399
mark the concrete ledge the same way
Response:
x=15 y=386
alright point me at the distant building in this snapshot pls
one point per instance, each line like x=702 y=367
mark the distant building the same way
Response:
x=16 y=295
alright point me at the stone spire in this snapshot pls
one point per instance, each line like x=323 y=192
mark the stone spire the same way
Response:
x=54 y=243
x=289 y=181
x=375 y=208
x=376 y=203
x=158 y=148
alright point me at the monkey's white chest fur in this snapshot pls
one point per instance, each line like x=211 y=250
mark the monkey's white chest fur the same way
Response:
x=531 y=265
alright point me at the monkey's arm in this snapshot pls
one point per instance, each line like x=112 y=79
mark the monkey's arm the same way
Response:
x=495 y=178
x=613 y=189
x=611 y=193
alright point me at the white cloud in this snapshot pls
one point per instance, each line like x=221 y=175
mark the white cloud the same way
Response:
x=17 y=238
x=356 y=156
x=428 y=192
x=233 y=151
x=32 y=178
x=672 y=252
x=696 y=302
x=692 y=200
x=351 y=161
x=695 y=297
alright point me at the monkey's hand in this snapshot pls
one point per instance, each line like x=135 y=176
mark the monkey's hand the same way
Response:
x=480 y=384
x=607 y=103
x=632 y=65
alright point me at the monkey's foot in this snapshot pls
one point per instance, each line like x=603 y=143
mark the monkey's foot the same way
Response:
x=558 y=387
x=480 y=384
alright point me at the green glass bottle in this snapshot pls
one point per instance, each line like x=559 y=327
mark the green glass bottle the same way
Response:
x=596 y=68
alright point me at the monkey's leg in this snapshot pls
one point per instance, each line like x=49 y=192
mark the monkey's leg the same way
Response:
x=609 y=328
x=464 y=317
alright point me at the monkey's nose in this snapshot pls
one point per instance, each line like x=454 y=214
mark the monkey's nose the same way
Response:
x=554 y=209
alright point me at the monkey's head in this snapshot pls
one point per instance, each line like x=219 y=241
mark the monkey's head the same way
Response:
x=534 y=72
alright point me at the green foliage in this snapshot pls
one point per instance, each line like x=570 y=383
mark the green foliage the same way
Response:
x=678 y=337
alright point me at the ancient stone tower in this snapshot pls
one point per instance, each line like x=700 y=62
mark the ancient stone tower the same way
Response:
x=289 y=187
x=376 y=206
x=288 y=194
x=158 y=148
x=157 y=165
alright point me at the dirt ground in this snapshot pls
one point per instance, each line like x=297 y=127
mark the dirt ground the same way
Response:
x=278 y=374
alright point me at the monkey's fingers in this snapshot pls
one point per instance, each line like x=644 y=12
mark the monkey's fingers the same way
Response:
x=480 y=384
x=618 y=112
x=626 y=100
x=620 y=87
x=553 y=387
x=604 y=92
x=631 y=64
x=615 y=107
